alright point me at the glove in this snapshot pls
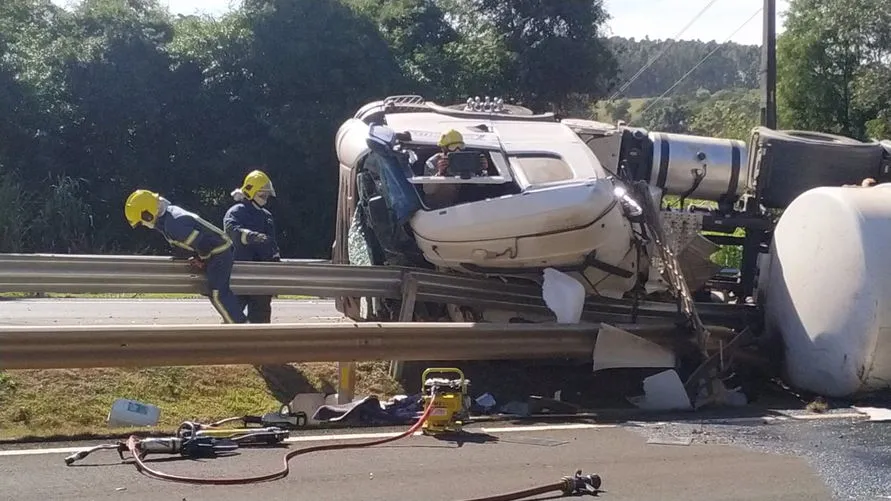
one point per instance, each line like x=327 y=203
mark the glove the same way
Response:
x=196 y=265
x=256 y=237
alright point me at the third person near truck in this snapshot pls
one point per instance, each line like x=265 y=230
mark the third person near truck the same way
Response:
x=252 y=230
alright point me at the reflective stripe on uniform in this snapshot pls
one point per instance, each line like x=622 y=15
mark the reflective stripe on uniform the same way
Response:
x=227 y=242
x=222 y=247
x=181 y=245
x=244 y=236
x=221 y=309
x=191 y=239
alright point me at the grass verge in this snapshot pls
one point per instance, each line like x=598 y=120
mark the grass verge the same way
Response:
x=44 y=403
x=64 y=404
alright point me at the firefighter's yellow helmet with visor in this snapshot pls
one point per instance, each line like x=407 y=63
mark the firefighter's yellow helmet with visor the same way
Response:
x=451 y=140
x=256 y=182
x=142 y=207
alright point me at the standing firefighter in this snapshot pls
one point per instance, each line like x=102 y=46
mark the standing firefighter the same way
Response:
x=211 y=249
x=252 y=229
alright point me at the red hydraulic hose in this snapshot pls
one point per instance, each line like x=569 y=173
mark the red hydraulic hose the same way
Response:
x=568 y=486
x=133 y=446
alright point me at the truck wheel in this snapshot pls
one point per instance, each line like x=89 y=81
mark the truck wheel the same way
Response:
x=785 y=164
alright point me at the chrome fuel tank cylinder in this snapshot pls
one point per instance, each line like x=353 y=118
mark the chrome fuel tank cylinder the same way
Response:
x=713 y=168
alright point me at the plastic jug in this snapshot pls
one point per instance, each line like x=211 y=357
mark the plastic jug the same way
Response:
x=125 y=412
x=564 y=295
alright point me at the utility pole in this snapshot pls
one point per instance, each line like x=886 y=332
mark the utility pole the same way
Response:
x=769 y=66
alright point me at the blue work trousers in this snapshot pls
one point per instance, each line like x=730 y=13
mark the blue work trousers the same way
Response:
x=259 y=308
x=219 y=271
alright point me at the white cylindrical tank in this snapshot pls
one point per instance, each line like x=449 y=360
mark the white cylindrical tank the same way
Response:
x=828 y=290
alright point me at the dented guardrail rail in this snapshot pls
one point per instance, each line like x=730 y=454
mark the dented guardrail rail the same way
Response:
x=72 y=273
x=88 y=346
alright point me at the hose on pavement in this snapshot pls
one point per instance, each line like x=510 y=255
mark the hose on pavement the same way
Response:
x=133 y=446
x=569 y=486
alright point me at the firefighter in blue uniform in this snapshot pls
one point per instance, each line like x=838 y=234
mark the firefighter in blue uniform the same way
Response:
x=252 y=230
x=209 y=246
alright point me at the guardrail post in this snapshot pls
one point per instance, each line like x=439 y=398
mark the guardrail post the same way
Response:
x=346 y=382
x=406 y=314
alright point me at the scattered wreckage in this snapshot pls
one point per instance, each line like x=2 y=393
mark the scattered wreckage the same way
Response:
x=581 y=211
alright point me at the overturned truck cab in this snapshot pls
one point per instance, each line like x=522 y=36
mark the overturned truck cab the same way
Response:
x=533 y=195
x=622 y=211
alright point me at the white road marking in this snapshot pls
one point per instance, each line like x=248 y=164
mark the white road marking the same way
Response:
x=839 y=415
x=506 y=429
x=31 y=452
x=785 y=417
x=344 y=436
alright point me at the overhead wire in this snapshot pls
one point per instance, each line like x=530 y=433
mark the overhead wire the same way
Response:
x=662 y=52
x=700 y=63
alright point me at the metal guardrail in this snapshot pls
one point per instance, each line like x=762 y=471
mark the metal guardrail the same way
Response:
x=43 y=347
x=139 y=274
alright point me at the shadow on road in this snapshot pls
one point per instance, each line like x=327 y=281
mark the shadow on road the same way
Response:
x=284 y=381
x=465 y=437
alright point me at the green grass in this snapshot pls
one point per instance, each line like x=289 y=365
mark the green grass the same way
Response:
x=58 y=403
x=637 y=107
x=728 y=256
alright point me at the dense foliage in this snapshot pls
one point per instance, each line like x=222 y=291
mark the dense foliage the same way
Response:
x=834 y=65
x=730 y=66
x=117 y=94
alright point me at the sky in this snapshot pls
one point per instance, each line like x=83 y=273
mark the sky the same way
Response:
x=665 y=18
x=630 y=18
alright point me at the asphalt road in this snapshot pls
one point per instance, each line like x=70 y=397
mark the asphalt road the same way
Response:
x=147 y=311
x=841 y=458
x=430 y=469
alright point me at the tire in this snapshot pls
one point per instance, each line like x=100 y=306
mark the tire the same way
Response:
x=811 y=137
x=788 y=163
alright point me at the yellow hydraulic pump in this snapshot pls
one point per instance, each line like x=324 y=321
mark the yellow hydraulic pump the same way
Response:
x=450 y=407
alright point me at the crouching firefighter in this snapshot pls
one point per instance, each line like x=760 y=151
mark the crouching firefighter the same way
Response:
x=211 y=249
x=252 y=230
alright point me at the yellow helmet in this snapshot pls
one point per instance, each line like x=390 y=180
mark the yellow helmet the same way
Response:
x=451 y=138
x=255 y=182
x=142 y=207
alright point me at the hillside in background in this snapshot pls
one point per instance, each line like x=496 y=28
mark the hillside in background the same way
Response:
x=731 y=66
x=719 y=97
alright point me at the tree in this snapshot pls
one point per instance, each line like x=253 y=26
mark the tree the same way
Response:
x=129 y=111
x=834 y=60
x=114 y=95
x=312 y=64
x=621 y=110
x=420 y=38
x=728 y=114
x=668 y=115
x=730 y=66
x=555 y=53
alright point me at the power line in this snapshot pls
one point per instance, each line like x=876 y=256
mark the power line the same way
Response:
x=716 y=49
x=664 y=49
